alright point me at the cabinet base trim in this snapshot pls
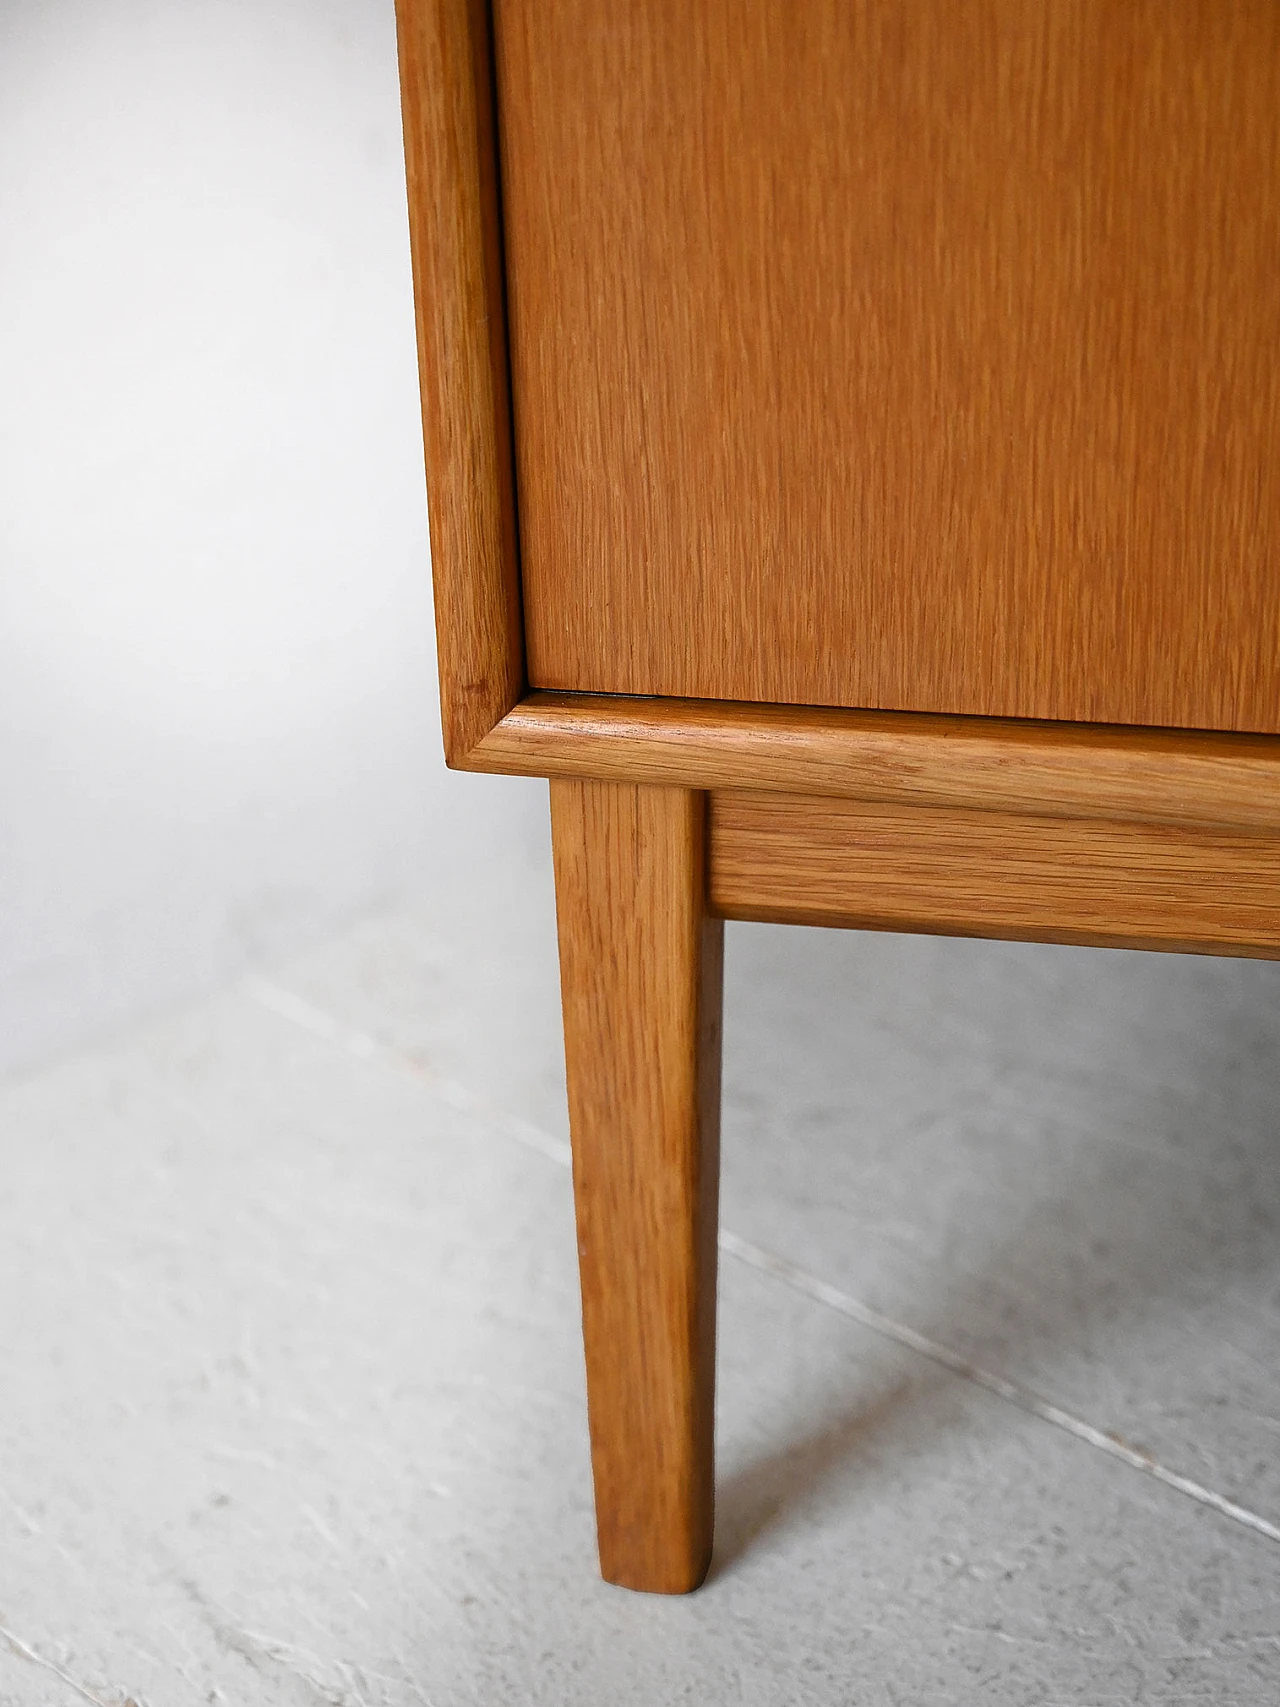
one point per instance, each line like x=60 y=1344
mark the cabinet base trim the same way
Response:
x=1201 y=779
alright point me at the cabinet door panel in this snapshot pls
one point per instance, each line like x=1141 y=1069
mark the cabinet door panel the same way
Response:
x=899 y=353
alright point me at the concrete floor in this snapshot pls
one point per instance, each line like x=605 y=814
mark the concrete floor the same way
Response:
x=292 y=1400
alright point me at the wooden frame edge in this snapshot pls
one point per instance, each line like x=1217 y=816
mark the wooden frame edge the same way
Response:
x=1203 y=779
x=455 y=230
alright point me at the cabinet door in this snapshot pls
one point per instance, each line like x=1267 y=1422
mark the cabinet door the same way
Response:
x=904 y=353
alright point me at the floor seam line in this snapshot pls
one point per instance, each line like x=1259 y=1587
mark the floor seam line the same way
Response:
x=25 y=1651
x=1013 y=1392
x=365 y=1046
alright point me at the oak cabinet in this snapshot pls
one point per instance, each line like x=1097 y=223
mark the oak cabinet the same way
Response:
x=852 y=435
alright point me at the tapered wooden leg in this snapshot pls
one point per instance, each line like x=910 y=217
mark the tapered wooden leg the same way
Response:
x=640 y=972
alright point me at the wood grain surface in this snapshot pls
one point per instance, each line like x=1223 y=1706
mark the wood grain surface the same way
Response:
x=806 y=860
x=640 y=972
x=900 y=354
x=451 y=160
x=1050 y=769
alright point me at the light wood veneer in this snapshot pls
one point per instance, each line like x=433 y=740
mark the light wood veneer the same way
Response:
x=899 y=353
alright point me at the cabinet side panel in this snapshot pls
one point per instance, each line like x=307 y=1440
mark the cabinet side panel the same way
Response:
x=900 y=354
x=455 y=234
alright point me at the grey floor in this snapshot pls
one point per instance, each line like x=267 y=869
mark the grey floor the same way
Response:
x=292 y=1400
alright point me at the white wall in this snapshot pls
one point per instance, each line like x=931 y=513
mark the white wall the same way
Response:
x=218 y=730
